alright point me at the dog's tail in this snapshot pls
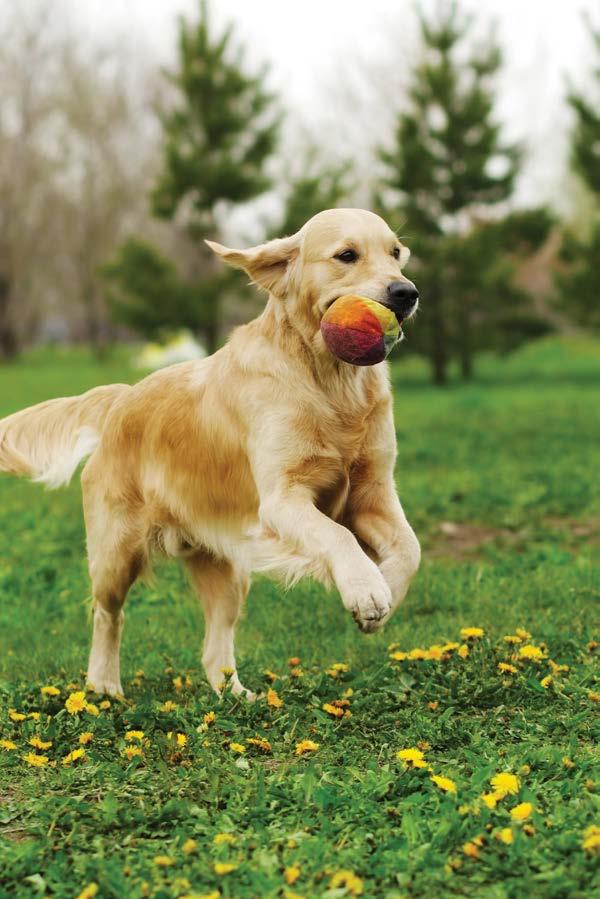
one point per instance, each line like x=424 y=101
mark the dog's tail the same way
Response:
x=48 y=441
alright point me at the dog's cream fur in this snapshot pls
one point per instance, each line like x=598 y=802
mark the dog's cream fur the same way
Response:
x=270 y=455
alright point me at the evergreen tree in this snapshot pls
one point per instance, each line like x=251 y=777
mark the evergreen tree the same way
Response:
x=219 y=133
x=448 y=165
x=579 y=284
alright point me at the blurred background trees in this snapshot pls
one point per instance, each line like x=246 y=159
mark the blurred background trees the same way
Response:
x=578 y=284
x=113 y=172
x=447 y=178
x=220 y=128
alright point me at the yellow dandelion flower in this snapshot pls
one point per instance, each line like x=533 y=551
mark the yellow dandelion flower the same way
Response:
x=591 y=838
x=40 y=744
x=463 y=650
x=228 y=672
x=471 y=849
x=558 y=669
x=132 y=735
x=522 y=633
x=450 y=647
x=336 y=669
x=260 y=743
x=131 y=752
x=237 y=747
x=270 y=675
x=348 y=693
x=181 y=740
x=189 y=846
x=413 y=757
x=8 y=745
x=417 y=654
x=505 y=668
x=105 y=704
x=433 y=705
x=273 y=699
x=546 y=681
x=594 y=697
x=214 y=895
x=168 y=706
x=444 y=783
x=521 y=812
x=505 y=835
x=490 y=799
x=209 y=718
x=37 y=761
x=178 y=683
x=398 y=656
x=505 y=783
x=86 y=737
x=222 y=838
x=530 y=653
x=567 y=762
x=35 y=716
x=349 y=880
x=334 y=710
x=92 y=709
x=89 y=891
x=222 y=868
x=50 y=691
x=294 y=661
x=76 y=702
x=74 y=756
x=291 y=874
x=471 y=633
x=163 y=861
x=435 y=652
x=512 y=638
x=16 y=716
x=305 y=746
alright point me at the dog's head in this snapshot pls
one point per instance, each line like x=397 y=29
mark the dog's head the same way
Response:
x=337 y=252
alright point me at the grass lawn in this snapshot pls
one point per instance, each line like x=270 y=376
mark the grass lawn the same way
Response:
x=500 y=479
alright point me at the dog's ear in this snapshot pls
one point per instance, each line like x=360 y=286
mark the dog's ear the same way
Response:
x=269 y=264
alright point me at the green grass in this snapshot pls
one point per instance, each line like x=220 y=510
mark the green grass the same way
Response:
x=501 y=481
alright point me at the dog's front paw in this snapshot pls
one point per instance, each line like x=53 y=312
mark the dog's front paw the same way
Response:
x=369 y=601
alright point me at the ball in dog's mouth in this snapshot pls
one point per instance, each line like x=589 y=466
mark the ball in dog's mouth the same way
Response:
x=359 y=330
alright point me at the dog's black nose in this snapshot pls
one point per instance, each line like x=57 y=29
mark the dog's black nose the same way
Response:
x=402 y=297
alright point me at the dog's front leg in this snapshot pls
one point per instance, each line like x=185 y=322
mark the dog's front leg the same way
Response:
x=287 y=511
x=373 y=510
x=382 y=526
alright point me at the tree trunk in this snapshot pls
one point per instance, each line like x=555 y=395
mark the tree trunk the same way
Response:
x=466 y=344
x=9 y=342
x=439 y=342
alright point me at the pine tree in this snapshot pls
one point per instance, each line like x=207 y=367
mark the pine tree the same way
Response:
x=578 y=286
x=449 y=164
x=219 y=132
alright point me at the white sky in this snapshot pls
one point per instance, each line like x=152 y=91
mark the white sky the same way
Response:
x=313 y=45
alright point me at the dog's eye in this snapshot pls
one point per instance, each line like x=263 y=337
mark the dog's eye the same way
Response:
x=347 y=256
x=396 y=252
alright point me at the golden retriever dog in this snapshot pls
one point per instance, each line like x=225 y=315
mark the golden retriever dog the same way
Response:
x=269 y=456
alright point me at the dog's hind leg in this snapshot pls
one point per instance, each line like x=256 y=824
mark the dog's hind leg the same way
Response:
x=222 y=590
x=116 y=558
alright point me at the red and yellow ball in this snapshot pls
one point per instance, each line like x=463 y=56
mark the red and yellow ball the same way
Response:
x=359 y=330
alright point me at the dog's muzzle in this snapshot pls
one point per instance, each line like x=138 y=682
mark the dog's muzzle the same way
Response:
x=402 y=297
